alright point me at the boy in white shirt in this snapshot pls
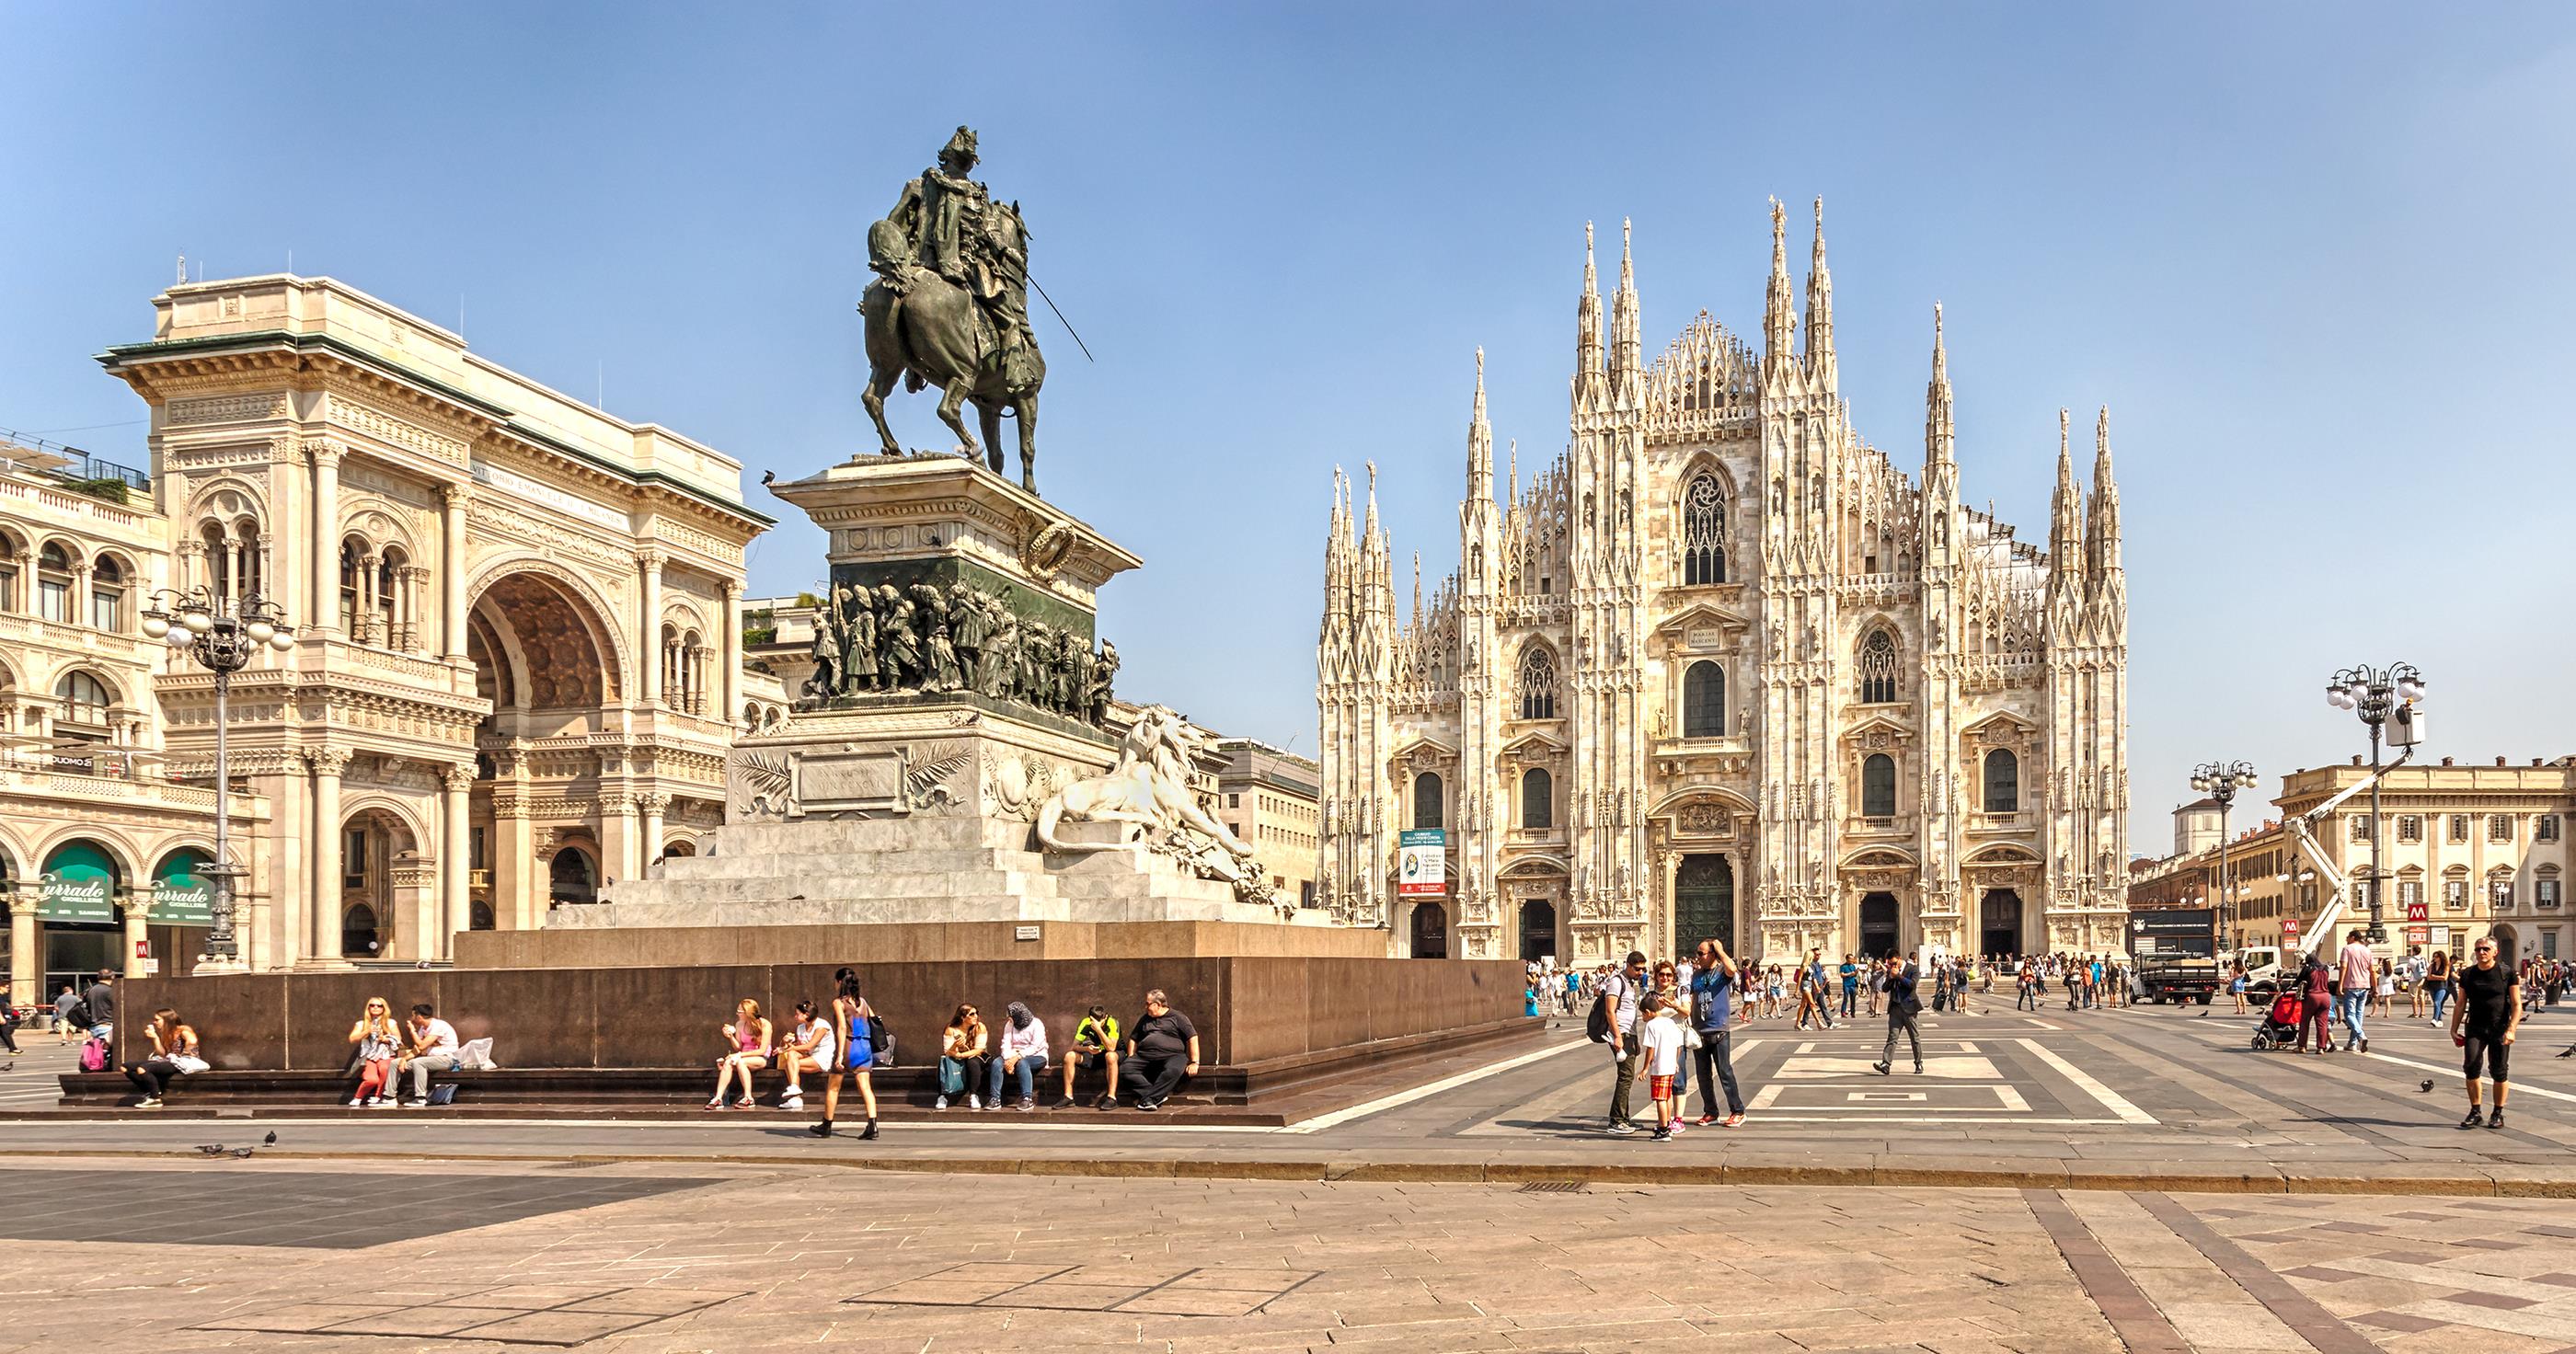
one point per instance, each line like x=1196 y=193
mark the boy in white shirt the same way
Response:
x=1659 y=1042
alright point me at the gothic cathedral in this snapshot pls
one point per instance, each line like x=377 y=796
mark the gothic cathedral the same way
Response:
x=1723 y=670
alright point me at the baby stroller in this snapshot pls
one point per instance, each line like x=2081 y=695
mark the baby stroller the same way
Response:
x=2280 y=1027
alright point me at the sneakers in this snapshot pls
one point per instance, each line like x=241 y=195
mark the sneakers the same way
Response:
x=1106 y=1102
x=1732 y=1121
x=2364 y=1046
x=1660 y=1135
x=149 y=1102
x=2495 y=1117
x=1676 y=1127
x=2473 y=1120
x=1028 y=1103
x=382 y=1102
x=1620 y=1128
x=974 y=1102
x=940 y=1104
x=1705 y=1119
x=359 y=1103
x=793 y=1103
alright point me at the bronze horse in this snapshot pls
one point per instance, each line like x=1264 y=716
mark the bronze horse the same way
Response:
x=934 y=333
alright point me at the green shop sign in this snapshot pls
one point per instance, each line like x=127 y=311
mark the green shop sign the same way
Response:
x=179 y=896
x=78 y=885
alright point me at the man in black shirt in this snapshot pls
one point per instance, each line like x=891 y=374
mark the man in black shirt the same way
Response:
x=1162 y=1050
x=1903 y=1005
x=2483 y=1022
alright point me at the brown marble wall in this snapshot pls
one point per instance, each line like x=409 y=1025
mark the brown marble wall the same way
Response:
x=898 y=941
x=1247 y=1010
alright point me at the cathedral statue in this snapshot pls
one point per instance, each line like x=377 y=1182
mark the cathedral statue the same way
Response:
x=949 y=308
x=1148 y=792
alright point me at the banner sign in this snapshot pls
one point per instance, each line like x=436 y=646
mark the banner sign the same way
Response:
x=1422 y=868
x=83 y=897
x=184 y=900
x=2419 y=935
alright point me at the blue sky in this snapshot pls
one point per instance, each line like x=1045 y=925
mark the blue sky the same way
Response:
x=2316 y=259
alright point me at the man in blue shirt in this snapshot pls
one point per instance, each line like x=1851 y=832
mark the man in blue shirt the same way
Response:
x=1851 y=986
x=1712 y=988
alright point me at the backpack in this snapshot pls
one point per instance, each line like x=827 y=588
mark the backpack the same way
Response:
x=79 y=1018
x=1596 y=1026
x=93 y=1054
x=880 y=1041
x=443 y=1095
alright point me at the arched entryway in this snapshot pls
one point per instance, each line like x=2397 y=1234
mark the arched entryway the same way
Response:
x=77 y=885
x=1878 y=925
x=1999 y=923
x=372 y=899
x=572 y=878
x=2504 y=939
x=1538 y=929
x=1430 y=931
x=1704 y=902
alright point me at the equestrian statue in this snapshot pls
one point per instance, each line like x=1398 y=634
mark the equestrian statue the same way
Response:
x=949 y=308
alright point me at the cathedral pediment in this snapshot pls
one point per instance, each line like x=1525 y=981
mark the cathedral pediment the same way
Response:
x=1877 y=731
x=1880 y=858
x=1703 y=625
x=1422 y=751
x=1526 y=866
x=2001 y=726
x=1535 y=743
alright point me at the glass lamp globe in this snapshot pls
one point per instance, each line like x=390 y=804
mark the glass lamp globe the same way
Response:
x=156 y=626
x=178 y=638
x=2411 y=688
x=260 y=631
x=197 y=622
x=281 y=641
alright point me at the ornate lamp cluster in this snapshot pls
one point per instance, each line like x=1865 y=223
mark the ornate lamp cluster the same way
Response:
x=2380 y=696
x=221 y=634
x=2220 y=781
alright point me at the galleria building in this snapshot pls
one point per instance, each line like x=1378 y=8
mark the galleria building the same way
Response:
x=1724 y=670
x=517 y=665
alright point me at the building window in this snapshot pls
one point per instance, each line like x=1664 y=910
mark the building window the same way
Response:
x=2410 y=893
x=1538 y=804
x=353 y=582
x=2459 y=827
x=2544 y=891
x=85 y=699
x=1878 y=668
x=1234 y=801
x=2500 y=894
x=1878 y=786
x=2545 y=828
x=2003 y=781
x=1704 y=701
x=10 y=564
x=2455 y=895
x=2410 y=828
x=1426 y=800
x=2360 y=827
x=1703 y=532
x=2499 y=827
x=54 y=584
x=1538 y=683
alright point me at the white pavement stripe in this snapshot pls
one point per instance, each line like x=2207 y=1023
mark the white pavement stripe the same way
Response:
x=1401 y=1098
x=2046 y=1026
x=2111 y=1100
x=2520 y=1088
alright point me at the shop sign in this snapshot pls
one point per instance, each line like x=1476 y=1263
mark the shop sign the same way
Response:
x=83 y=897
x=1422 y=865
x=183 y=900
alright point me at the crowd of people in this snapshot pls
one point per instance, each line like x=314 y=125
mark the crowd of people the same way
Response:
x=1821 y=993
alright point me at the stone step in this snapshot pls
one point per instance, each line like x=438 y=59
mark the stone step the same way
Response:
x=785 y=866
x=808 y=836
x=917 y=890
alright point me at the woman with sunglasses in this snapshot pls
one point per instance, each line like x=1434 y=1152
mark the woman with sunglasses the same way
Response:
x=962 y=1059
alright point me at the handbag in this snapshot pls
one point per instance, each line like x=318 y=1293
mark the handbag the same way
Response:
x=952 y=1077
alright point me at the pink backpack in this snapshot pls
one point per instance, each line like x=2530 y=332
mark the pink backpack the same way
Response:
x=94 y=1054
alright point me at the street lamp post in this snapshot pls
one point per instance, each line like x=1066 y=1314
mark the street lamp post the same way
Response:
x=2220 y=781
x=222 y=634
x=2379 y=695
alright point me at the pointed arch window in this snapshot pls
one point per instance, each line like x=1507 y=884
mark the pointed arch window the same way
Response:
x=1878 y=786
x=2003 y=781
x=1538 y=683
x=1704 y=701
x=1704 y=531
x=1426 y=800
x=1878 y=668
x=1538 y=799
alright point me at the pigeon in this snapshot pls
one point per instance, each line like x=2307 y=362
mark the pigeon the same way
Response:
x=2426 y=1085
x=271 y=1139
x=768 y=477
x=212 y=1149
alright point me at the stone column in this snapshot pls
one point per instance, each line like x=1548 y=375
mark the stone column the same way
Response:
x=653 y=806
x=514 y=845
x=322 y=609
x=322 y=914
x=26 y=949
x=453 y=499
x=137 y=909
x=455 y=862
x=620 y=837
x=649 y=627
x=731 y=651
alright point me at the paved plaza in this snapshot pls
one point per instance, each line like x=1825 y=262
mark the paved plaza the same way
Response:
x=2103 y=1180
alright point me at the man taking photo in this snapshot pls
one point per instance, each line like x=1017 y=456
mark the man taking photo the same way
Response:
x=1712 y=989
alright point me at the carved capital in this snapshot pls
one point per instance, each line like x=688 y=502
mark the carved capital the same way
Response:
x=652 y=557
x=324 y=454
x=458 y=778
x=456 y=496
x=653 y=803
x=328 y=761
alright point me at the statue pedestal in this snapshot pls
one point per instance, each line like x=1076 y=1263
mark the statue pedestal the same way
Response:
x=942 y=519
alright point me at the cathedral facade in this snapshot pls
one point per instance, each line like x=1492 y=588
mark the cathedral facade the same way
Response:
x=1723 y=669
